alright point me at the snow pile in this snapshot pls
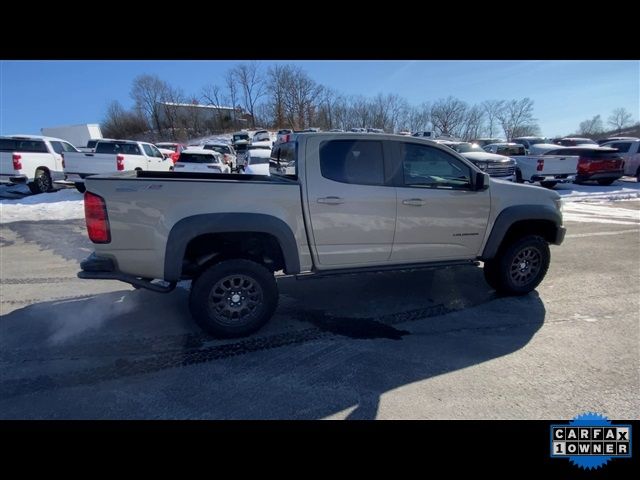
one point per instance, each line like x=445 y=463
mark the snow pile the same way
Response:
x=620 y=190
x=64 y=204
x=602 y=212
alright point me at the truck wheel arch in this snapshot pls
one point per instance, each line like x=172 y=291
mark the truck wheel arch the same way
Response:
x=194 y=226
x=542 y=220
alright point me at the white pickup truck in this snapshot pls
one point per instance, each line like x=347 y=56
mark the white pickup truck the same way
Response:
x=32 y=160
x=111 y=156
x=549 y=170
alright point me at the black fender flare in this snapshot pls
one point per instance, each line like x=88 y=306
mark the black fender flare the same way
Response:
x=191 y=227
x=517 y=213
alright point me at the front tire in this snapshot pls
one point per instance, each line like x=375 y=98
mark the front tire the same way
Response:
x=233 y=298
x=520 y=266
x=548 y=184
x=606 y=181
x=41 y=183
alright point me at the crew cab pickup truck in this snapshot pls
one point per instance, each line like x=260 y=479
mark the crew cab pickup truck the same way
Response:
x=355 y=203
x=547 y=169
x=32 y=159
x=113 y=156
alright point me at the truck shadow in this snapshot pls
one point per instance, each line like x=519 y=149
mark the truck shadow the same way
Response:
x=343 y=342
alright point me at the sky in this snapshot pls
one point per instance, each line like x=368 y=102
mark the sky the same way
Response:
x=36 y=94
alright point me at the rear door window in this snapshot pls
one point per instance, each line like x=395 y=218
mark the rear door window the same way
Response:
x=352 y=161
x=118 y=147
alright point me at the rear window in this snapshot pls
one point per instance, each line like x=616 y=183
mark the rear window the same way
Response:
x=198 y=158
x=623 y=147
x=352 y=161
x=115 y=148
x=241 y=148
x=258 y=160
x=508 y=150
x=15 y=145
x=218 y=148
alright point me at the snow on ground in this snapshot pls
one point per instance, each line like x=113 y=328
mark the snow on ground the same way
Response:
x=625 y=189
x=65 y=204
x=601 y=212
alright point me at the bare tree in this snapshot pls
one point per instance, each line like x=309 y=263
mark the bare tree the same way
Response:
x=619 y=118
x=473 y=122
x=591 y=126
x=492 y=109
x=212 y=95
x=448 y=116
x=278 y=79
x=120 y=123
x=359 y=111
x=516 y=118
x=252 y=85
x=418 y=117
x=232 y=88
x=147 y=92
x=300 y=100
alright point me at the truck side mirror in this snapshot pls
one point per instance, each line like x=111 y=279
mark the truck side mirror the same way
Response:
x=482 y=182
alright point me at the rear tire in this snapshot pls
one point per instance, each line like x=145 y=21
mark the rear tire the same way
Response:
x=81 y=187
x=606 y=181
x=519 y=178
x=638 y=175
x=41 y=182
x=233 y=298
x=548 y=184
x=520 y=266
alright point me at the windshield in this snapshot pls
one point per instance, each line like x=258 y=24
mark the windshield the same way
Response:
x=466 y=147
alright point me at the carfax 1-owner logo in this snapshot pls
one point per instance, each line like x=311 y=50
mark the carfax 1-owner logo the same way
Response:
x=590 y=440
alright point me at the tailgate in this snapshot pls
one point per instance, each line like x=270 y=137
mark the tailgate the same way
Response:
x=559 y=164
x=89 y=163
x=6 y=163
x=600 y=164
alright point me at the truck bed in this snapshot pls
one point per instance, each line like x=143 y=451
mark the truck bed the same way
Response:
x=155 y=201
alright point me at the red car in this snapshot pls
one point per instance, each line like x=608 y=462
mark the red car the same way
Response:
x=176 y=147
x=603 y=165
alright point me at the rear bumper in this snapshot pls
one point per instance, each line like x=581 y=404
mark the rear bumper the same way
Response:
x=583 y=177
x=102 y=268
x=562 y=178
x=13 y=179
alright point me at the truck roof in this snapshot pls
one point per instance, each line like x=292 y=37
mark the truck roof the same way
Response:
x=34 y=137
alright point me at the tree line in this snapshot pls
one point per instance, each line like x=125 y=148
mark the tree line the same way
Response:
x=619 y=119
x=285 y=96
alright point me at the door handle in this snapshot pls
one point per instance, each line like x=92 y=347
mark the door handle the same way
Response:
x=330 y=200
x=416 y=202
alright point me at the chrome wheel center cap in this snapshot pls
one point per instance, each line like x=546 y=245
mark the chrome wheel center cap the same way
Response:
x=235 y=298
x=523 y=265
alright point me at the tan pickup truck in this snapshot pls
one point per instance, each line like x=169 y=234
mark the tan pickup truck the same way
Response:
x=334 y=203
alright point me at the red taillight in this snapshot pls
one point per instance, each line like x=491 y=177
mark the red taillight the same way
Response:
x=175 y=157
x=120 y=161
x=17 y=164
x=583 y=165
x=286 y=138
x=95 y=213
x=540 y=165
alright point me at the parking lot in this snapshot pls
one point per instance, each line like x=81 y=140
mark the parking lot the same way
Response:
x=426 y=344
